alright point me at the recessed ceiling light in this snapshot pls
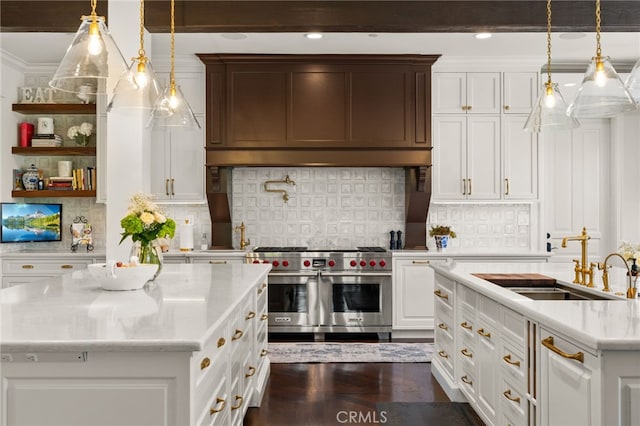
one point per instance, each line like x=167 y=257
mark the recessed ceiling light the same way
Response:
x=313 y=36
x=483 y=36
x=572 y=36
x=234 y=36
x=569 y=84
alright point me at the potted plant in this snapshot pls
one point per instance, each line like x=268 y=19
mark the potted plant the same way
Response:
x=441 y=233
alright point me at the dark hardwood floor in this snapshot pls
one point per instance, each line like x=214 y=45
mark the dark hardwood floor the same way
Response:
x=314 y=394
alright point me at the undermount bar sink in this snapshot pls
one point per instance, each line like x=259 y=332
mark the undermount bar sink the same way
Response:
x=555 y=293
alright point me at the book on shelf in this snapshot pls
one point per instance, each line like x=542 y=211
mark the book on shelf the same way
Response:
x=84 y=179
x=40 y=140
x=61 y=179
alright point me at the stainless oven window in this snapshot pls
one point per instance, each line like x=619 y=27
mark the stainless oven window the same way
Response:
x=288 y=298
x=361 y=297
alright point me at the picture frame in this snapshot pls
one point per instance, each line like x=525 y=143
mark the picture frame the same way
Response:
x=81 y=234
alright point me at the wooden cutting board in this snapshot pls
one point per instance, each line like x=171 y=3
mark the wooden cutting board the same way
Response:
x=518 y=280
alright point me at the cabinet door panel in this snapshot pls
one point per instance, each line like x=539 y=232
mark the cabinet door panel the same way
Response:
x=483 y=93
x=160 y=163
x=187 y=164
x=449 y=92
x=520 y=92
x=483 y=164
x=414 y=283
x=449 y=157
x=520 y=160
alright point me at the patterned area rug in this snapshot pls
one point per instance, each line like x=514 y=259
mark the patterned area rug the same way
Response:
x=287 y=353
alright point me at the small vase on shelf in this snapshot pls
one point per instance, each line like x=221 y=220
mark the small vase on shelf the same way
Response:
x=442 y=241
x=81 y=140
x=148 y=252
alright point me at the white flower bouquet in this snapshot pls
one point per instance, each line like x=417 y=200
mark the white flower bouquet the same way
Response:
x=629 y=250
x=80 y=134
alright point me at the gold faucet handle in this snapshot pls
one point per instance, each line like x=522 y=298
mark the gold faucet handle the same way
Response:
x=577 y=279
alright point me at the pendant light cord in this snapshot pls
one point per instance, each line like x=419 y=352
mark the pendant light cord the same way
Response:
x=172 y=75
x=141 y=53
x=549 y=42
x=598 y=20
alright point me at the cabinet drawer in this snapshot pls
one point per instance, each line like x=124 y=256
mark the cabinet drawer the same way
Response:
x=10 y=281
x=208 y=362
x=488 y=311
x=466 y=352
x=43 y=267
x=514 y=403
x=218 y=260
x=467 y=381
x=466 y=326
x=513 y=366
x=213 y=401
x=444 y=352
x=444 y=313
x=444 y=290
x=514 y=327
x=466 y=298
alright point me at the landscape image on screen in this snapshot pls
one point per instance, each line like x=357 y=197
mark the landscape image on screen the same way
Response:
x=30 y=222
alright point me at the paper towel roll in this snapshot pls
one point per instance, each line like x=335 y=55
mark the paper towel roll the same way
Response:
x=186 y=236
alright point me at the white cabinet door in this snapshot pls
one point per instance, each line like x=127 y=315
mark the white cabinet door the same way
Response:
x=449 y=95
x=483 y=158
x=449 y=157
x=569 y=388
x=519 y=92
x=413 y=298
x=483 y=93
x=520 y=160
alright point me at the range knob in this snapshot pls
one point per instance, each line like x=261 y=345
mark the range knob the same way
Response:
x=353 y=263
x=363 y=263
x=285 y=263
x=382 y=263
x=372 y=263
x=332 y=263
x=276 y=263
x=256 y=261
x=307 y=263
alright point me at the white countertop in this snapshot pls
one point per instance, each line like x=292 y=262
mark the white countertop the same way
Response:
x=72 y=313
x=599 y=324
x=474 y=254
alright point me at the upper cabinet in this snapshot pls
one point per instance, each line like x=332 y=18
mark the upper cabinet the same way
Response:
x=346 y=103
x=466 y=93
x=520 y=92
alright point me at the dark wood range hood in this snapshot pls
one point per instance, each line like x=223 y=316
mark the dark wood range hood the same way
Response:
x=319 y=110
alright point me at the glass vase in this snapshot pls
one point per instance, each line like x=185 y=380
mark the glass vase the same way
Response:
x=81 y=140
x=148 y=252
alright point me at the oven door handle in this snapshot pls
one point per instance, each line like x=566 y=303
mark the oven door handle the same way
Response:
x=356 y=275
x=293 y=274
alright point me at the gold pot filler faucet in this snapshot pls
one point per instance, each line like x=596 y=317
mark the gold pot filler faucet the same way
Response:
x=241 y=229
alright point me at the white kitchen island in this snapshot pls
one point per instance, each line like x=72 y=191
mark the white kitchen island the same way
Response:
x=190 y=349
x=519 y=361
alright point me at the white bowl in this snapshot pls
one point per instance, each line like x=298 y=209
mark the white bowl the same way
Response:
x=111 y=277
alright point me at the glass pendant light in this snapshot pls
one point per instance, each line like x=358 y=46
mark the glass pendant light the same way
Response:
x=92 y=56
x=171 y=109
x=602 y=94
x=139 y=88
x=550 y=110
x=633 y=82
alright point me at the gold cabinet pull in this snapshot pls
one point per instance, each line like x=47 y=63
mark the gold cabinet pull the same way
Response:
x=260 y=290
x=220 y=404
x=250 y=315
x=466 y=353
x=420 y=262
x=264 y=285
x=507 y=394
x=240 y=399
x=548 y=343
x=221 y=342
x=464 y=187
x=468 y=107
x=466 y=380
x=264 y=352
x=507 y=359
x=166 y=187
x=469 y=193
x=252 y=371
x=506 y=107
x=263 y=317
x=205 y=363
x=218 y=262
x=172 y=184
x=443 y=326
x=484 y=333
x=237 y=335
x=466 y=325
x=443 y=354
x=27 y=266
x=66 y=266
x=506 y=192
x=440 y=295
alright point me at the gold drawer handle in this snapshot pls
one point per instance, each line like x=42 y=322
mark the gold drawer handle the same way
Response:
x=507 y=359
x=205 y=363
x=466 y=325
x=237 y=335
x=484 y=334
x=220 y=403
x=548 y=343
x=66 y=266
x=440 y=295
x=218 y=262
x=27 y=266
x=221 y=342
x=260 y=290
x=420 y=262
x=443 y=354
x=263 y=317
x=264 y=352
x=466 y=380
x=443 y=326
x=250 y=315
x=466 y=353
x=252 y=371
x=507 y=394
x=264 y=285
x=238 y=398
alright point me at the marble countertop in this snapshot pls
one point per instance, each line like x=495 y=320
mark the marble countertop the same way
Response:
x=72 y=313
x=598 y=324
x=474 y=254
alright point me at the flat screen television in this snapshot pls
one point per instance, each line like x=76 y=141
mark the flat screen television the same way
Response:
x=30 y=222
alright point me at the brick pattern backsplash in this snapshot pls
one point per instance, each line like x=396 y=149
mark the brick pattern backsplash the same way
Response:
x=328 y=207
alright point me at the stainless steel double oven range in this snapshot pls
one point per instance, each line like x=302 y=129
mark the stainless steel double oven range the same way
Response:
x=328 y=291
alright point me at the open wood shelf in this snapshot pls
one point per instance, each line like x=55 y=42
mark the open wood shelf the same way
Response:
x=63 y=150
x=52 y=193
x=54 y=108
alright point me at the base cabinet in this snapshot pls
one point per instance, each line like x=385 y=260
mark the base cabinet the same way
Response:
x=26 y=269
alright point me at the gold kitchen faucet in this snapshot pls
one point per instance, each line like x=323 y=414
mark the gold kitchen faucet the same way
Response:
x=631 y=288
x=241 y=229
x=584 y=274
